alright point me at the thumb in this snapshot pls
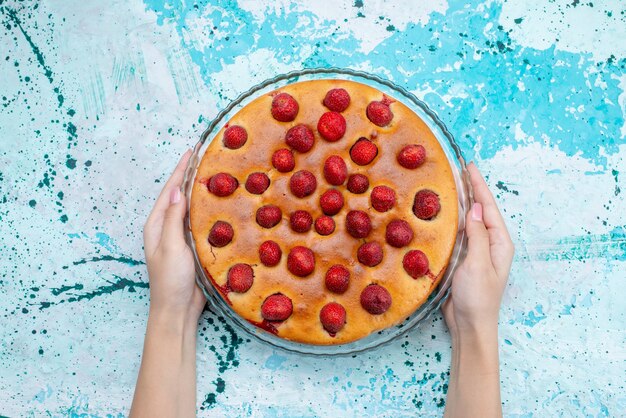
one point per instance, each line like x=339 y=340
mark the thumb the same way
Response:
x=477 y=235
x=173 y=220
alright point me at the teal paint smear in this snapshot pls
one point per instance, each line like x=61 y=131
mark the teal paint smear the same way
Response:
x=120 y=283
x=65 y=288
x=230 y=345
x=103 y=240
x=80 y=409
x=275 y=362
x=500 y=185
x=615 y=174
x=71 y=130
x=49 y=176
x=211 y=399
x=567 y=309
x=35 y=49
x=106 y=241
x=426 y=377
x=42 y=395
x=47 y=71
x=531 y=318
x=497 y=108
x=121 y=259
x=611 y=246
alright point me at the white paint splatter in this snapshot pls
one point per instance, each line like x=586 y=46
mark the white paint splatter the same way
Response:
x=621 y=99
x=545 y=24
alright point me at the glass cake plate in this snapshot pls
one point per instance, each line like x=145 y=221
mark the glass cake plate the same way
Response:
x=452 y=151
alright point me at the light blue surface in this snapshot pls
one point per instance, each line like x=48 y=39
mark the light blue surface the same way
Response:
x=99 y=100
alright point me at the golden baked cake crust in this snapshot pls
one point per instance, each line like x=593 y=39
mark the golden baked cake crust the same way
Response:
x=434 y=237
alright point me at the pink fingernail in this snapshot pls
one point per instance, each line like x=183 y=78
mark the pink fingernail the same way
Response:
x=175 y=195
x=477 y=212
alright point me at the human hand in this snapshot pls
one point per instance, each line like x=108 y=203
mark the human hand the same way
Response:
x=166 y=385
x=173 y=290
x=478 y=283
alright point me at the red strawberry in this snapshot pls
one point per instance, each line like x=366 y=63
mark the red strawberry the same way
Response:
x=337 y=279
x=370 y=254
x=284 y=107
x=415 y=263
x=300 y=138
x=335 y=170
x=411 y=156
x=331 y=126
x=333 y=317
x=379 y=113
x=324 y=225
x=223 y=184
x=358 y=183
x=302 y=183
x=383 y=198
x=331 y=202
x=283 y=160
x=257 y=183
x=363 y=151
x=301 y=261
x=337 y=100
x=375 y=299
x=270 y=253
x=426 y=204
x=358 y=223
x=276 y=307
x=235 y=136
x=398 y=233
x=268 y=216
x=221 y=234
x=301 y=221
x=240 y=278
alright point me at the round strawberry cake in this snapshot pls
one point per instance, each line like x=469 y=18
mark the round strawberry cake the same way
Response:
x=324 y=211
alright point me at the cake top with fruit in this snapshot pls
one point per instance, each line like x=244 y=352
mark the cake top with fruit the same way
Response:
x=324 y=211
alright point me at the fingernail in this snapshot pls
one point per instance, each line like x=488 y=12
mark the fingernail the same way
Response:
x=175 y=196
x=477 y=212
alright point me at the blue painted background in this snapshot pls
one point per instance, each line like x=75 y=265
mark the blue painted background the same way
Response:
x=99 y=100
